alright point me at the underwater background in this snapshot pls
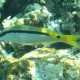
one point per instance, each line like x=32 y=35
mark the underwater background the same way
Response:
x=58 y=61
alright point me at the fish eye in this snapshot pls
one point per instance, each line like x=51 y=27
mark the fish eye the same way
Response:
x=58 y=36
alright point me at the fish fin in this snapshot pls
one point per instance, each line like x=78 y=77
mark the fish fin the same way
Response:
x=73 y=40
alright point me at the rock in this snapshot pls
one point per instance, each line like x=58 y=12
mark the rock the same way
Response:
x=41 y=64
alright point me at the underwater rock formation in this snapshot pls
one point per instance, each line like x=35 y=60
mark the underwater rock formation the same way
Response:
x=13 y=7
x=41 y=64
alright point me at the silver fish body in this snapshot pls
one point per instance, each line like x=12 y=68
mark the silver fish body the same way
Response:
x=25 y=35
x=26 y=38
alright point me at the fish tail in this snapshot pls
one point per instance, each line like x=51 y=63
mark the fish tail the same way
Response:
x=73 y=40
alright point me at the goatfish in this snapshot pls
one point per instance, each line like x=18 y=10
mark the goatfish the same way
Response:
x=28 y=35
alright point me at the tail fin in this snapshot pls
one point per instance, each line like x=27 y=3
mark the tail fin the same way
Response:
x=73 y=40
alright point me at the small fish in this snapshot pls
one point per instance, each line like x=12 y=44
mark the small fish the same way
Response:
x=28 y=35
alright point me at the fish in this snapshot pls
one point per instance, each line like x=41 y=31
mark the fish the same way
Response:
x=29 y=35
